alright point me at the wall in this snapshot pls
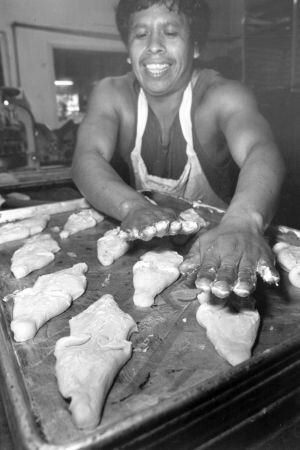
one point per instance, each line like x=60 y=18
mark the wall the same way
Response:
x=87 y=15
x=27 y=51
x=28 y=60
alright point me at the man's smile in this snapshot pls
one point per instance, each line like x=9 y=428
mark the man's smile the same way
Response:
x=157 y=70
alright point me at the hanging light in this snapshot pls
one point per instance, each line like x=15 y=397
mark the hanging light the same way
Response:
x=63 y=83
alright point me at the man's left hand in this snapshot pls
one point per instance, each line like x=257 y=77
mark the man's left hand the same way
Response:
x=228 y=257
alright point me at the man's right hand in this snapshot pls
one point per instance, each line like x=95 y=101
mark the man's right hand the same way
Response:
x=147 y=221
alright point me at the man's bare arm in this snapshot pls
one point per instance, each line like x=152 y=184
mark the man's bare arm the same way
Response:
x=261 y=166
x=228 y=256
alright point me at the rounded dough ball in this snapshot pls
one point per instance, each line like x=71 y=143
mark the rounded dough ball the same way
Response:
x=294 y=276
x=279 y=246
x=289 y=257
x=23 y=329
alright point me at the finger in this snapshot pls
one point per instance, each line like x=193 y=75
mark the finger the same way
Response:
x=204 y=297
x=191 y=261
x=147 y=233
x=162 y=228
x=189 y=226
x=175 y=227
x=133 y=234
x=205 y=277
x=246 y=281
x=224 y=281
x=267 y=271
x=208 y=270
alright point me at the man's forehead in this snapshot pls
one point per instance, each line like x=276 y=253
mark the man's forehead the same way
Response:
x=171 y=5
x=156 y=10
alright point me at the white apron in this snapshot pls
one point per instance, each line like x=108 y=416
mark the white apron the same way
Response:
x=192 y=184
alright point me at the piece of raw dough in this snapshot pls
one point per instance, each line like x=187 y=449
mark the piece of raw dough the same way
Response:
x=90 y=358
x=294 y=276
x=288 y=257
x=87 y=218
x=111 y=246
x=279 y=246
x=18 y=196
x=232 y=333
x=23 y=228
x=155 y=271
x=37 y=252
x=51 y=295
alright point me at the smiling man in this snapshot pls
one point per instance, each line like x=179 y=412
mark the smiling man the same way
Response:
x=185 y=132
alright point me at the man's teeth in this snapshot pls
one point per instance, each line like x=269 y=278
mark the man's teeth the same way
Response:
x=157 y=69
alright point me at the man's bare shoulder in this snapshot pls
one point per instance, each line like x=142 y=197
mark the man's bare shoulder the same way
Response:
x=224 y=93
x=114 y=88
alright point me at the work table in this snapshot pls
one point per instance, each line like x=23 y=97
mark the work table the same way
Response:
x=175 y=390
x=27 y=177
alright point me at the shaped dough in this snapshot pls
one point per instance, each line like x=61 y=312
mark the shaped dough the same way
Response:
x=89 y=359
x=36 y=253
x=153 y=273
x=294 y=276
x=288 y=257
x=232 y=334
x=111 y=246
x=51 y=295
x=88 y=218
x=23 y=228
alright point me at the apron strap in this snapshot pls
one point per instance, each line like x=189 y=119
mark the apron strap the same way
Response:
x=185 y=115
x=142 y=116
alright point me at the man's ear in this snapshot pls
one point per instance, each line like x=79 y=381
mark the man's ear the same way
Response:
x=128 y=60
x=196 y=52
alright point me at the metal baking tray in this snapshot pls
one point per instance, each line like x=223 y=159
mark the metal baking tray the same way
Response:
x=175 y=390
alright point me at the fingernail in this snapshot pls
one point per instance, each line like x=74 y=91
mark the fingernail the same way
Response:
x=221 y=289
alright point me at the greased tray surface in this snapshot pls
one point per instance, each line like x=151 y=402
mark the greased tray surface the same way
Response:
x=172 y=359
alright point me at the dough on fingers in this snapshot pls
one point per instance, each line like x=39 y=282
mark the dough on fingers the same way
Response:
x=90 y=358
x=87 y=218
x=111 y=246
x=155 y=271
x=37 y=252
x=188 y=222
x=51 y=295
x=232 y=333
x=23 y=228
x=191 y=222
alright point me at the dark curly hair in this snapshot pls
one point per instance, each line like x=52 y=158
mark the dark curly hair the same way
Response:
x=197 y=12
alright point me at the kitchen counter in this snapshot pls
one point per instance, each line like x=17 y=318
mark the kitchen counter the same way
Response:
x=179 y=393
x=28 y=178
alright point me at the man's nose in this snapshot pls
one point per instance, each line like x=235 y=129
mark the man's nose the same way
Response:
x=156 y=44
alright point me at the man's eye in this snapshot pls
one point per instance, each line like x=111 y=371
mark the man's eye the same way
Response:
x=171 y=33
x=141 y=35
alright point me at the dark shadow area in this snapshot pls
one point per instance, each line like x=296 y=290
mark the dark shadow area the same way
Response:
x=282 y=109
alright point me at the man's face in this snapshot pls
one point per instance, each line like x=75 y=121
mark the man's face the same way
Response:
x=160 y=50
